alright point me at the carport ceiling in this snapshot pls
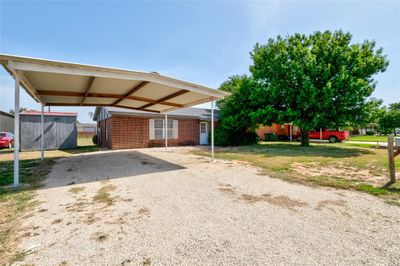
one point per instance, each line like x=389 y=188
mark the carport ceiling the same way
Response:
x=55 y=83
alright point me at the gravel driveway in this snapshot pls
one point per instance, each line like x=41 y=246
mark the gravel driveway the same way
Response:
x=143 y=207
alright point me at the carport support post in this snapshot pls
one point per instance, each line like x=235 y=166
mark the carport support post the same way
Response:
x=212 y=131
x=16 y=133
x=166 y=131
x=42 y=134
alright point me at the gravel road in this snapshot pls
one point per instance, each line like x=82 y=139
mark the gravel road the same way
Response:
x=142 y=207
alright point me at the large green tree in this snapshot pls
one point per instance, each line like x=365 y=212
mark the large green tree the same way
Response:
x=321 y=79
x=236 y=126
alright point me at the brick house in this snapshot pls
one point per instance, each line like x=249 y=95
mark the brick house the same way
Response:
x=285 y=130
x=119 y=128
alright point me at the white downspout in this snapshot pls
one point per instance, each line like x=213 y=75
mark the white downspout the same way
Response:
x=166 y=131
x=42 y=134
x=16 y=133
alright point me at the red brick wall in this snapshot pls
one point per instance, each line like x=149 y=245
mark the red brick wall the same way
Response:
x=129 y=132
x=133 y=132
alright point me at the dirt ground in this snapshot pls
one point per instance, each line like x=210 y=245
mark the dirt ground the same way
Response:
x=142 y=207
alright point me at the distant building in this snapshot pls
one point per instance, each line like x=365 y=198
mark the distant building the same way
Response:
x=86 y=129
x=6 y=122
x=284 y=132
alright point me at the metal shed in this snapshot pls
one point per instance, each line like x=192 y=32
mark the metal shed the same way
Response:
x=59 y=130
x=6 y=122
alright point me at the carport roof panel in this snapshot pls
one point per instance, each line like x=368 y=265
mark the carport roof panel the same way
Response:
x=57 y=83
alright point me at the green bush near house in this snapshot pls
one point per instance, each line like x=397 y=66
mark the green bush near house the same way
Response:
x=270 y=137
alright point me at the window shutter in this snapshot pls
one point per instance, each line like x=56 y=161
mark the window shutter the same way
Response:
x=175 y=129
x=151 y=128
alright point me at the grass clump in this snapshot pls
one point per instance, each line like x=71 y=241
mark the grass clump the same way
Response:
x=76 y=190
x=103 y=195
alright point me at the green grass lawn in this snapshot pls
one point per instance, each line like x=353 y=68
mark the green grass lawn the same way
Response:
x=334 y=165
x=369 y=138
x=85 y=141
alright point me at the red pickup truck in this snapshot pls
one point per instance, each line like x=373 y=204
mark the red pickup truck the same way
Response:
x=331 y=135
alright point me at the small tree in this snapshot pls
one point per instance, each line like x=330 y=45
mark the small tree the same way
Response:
x=236 y=126
x=316 y=80
x=21 y=109
x=389 y=122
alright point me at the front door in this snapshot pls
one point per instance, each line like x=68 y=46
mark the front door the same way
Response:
x=203 y=133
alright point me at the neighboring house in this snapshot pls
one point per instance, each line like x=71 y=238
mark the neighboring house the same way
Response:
x=284 y=131
x=124 y=128
x=6 y=122
x=59 y=130
x=86 y=129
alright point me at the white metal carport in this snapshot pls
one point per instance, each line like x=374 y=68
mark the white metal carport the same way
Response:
x=54 y=83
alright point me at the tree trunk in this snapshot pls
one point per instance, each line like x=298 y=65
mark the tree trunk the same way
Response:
x=305 y=141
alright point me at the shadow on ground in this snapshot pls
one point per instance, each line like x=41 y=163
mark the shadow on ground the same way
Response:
x=92 y=167
x=295 y=150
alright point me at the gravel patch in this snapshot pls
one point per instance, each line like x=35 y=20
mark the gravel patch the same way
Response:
x=151 y=207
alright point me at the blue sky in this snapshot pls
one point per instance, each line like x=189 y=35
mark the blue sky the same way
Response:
x=202 y=42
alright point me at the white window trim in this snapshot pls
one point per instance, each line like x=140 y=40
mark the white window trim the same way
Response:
x=152 y=129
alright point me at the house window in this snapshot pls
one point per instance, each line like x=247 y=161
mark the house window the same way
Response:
x=203 y=128
x=157 y=129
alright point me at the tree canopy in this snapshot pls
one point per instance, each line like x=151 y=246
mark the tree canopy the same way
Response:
x=236 y=126
x=390 y=120
x=316 y=80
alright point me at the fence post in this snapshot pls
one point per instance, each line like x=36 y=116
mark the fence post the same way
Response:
x=391 y=159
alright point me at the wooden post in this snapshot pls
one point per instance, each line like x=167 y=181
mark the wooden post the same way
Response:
x=320 y=135
x=391 y=159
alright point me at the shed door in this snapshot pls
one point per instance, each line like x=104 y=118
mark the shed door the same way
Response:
x=203 y=133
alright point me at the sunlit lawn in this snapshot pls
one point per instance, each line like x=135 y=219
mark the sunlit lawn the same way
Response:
x=85 y=141
x=375 y=138
x=334 y=165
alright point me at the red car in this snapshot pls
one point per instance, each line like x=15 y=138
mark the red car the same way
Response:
x=331 y=135
x=6 y=140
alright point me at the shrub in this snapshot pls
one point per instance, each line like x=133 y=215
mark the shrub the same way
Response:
x=94 y=139
x=226 y=137
x=283 y=137
x=369 y=133
x=270 y=137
